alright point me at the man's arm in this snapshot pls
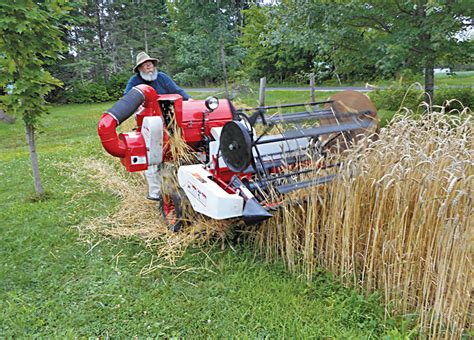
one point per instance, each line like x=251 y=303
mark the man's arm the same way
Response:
x=172 y=87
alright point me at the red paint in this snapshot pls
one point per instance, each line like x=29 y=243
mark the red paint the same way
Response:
x=190 y=119
x=150 y=105
x=135 y=149
x=108 y=136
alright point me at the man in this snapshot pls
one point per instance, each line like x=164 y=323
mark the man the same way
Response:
x=146 y=73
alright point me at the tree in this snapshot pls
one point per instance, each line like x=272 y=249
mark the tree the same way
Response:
x=30 y=39
x=204 y=39
x=384 y=36
x=265 y=56
x=103 y=41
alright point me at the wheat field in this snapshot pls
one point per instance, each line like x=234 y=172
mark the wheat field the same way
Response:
x=399 y=220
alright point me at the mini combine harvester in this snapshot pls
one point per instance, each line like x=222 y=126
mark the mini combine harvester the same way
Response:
x=246 y=160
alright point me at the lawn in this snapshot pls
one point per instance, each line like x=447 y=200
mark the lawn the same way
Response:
x=465 y=78
x=461 y=78
x=54 y=284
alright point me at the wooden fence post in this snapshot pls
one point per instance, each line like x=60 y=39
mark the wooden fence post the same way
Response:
x=261 y=93
x=311 y=85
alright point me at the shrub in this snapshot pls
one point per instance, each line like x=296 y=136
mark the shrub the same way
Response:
x=394 y=98
x=87 y=93
x=117 y=84
x=452 y=98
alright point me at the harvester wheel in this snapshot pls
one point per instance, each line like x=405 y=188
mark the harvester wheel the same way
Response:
x=171 y=209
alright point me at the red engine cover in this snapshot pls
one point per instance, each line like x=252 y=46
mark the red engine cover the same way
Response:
x=190 y=119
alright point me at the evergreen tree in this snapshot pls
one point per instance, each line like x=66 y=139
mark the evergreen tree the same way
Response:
x=205 y=40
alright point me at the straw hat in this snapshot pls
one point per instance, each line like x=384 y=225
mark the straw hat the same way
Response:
x=141 y=58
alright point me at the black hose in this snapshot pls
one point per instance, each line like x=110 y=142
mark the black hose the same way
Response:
x=127 y=105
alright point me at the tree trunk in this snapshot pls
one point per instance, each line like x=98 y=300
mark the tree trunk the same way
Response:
x=429 y=84
x=145 y=36
x=224 y=68
x=30 y=138
x=99 y=24
x=101 y=34
x=6 y=118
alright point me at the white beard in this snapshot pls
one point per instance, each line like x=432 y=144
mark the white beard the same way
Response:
x=149 y=76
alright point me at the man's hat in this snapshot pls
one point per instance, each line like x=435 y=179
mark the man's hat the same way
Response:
x=141 y=58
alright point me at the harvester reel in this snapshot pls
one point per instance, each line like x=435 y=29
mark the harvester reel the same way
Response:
x=344 y=102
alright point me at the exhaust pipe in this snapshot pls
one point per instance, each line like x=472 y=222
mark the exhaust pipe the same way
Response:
x=121 y=111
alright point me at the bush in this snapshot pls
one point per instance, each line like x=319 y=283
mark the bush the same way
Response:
x=87 y=93
x=117 y=84
x=394 y=98
x=464 y=96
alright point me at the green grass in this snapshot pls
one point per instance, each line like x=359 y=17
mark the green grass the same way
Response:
x=465 y=78
x=461 y=78
x=51 y=284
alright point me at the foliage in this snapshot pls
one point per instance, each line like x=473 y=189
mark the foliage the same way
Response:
x=92 y=92
x=455 y=98
x=365 y=39
x=104 y=39
x=395 y=98
x=199 y=31
x=87 y=93
x=284 y=41
x=25 y=54
x=116 y=84
x=264 y=58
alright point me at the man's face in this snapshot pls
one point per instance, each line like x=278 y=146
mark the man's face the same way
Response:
x=147 y=67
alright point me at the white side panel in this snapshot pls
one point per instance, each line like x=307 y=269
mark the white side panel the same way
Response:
x=213 y=150
x=152 y=131
x=216 y=133
x=206 y=196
